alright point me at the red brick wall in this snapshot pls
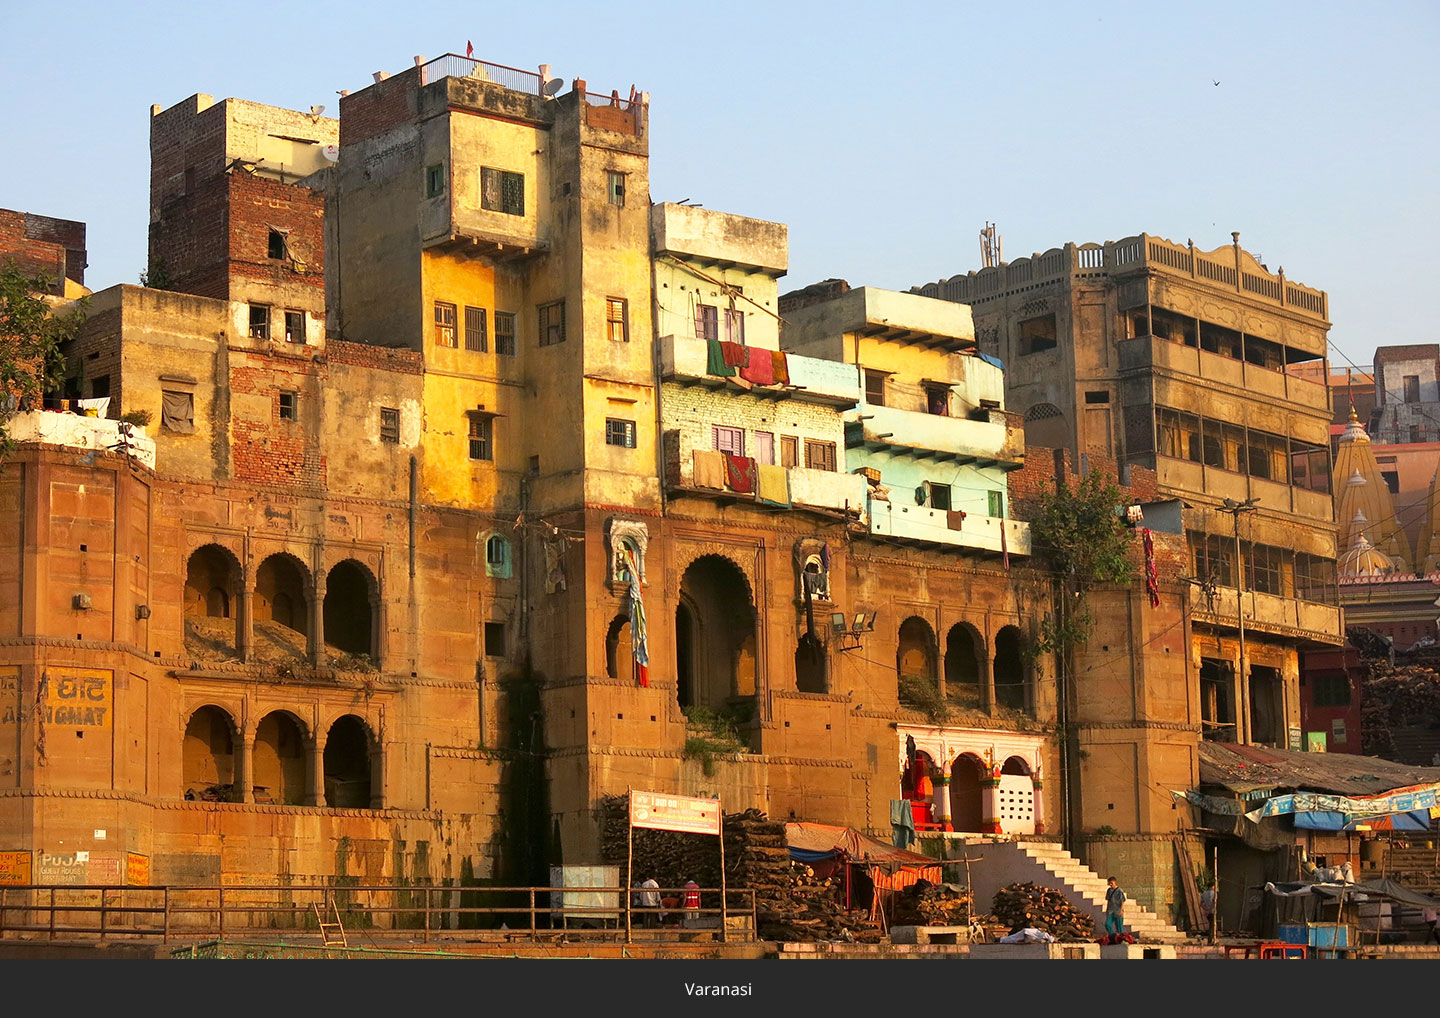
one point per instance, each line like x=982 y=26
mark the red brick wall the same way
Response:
x=41 y=244
x=257 y=204
x=181 y=138
x=378 y=108
x=189 y=237
x=815 y=293
x=275 y=451
x=363 y=355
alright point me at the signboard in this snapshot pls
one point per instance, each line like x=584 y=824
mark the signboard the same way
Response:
x=1295 y=743
x=1315 y=742
x=102 y=870
x=14 y=869
x=137 y=869
x=675 y=813
x=62 y=869
x=78 y=698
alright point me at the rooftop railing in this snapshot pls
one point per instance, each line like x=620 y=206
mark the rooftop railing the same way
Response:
x=452 y=65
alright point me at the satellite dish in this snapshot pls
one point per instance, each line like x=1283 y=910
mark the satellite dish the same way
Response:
x=316 y=110
x=331 y=153
x=552 y=86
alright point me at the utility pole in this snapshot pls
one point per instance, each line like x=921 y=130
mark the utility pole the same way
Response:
x=1242 y=714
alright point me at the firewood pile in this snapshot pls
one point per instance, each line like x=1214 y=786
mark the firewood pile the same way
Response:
x=1022 y=905
x=1396 y=697
x=791 y=902
x=927 y=904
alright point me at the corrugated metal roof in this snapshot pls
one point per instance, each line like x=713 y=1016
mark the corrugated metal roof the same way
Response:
x=1245 y=768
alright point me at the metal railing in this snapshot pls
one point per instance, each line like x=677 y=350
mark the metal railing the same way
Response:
x=452 y=65
x=374 y=912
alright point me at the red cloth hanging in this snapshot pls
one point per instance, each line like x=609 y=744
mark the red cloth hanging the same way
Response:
x=740 y=473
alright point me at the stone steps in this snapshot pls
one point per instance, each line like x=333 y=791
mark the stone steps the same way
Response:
x=1086 y=888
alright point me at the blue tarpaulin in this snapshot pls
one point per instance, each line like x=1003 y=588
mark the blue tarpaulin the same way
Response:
x=1324 y=820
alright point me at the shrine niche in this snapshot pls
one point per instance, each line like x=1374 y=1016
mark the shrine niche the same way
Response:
x=812 y=569
x=626 y=539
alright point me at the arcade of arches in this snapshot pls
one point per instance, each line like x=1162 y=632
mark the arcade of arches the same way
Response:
x=977 y=781
x=281 y=763
x=714 y=634
x=969 y=680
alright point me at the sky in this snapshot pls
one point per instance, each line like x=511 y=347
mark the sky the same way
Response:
x=885 y=135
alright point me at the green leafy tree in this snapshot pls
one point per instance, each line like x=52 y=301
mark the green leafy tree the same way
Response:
x=30 y=336
x=1079 y=533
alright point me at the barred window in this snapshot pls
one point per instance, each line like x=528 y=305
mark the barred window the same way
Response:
x=502 y=191
x=389 y=425
x=620 y=432
x=444 y=324
x=552 y=323
x=505 y=333
x=480 y=434
x=475 y=336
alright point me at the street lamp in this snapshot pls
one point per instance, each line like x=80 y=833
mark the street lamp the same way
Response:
x=1235 y=508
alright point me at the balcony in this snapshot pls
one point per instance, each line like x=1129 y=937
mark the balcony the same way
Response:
x=826 y=490
x=997 y=441
x=72 y=431
x=1146 y=353
x=1271 y=614
x=685 y=359
x=932 y=526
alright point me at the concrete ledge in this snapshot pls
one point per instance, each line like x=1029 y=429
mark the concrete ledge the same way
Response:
x=1030 y=952
x=929 y=934
x=1140 y=951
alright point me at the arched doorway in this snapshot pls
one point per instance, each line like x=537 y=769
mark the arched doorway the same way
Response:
x=1011 y=687
x=915 y=663
x=619 y=652
x=1015 y=798
x=715 y=633
x=212 y=599
x=208 y=756
x=348 y=764
x=967 y=811
x=349 y=609
x=280 y=585
x=279 y=760
x=964 y=654
x=810 y=665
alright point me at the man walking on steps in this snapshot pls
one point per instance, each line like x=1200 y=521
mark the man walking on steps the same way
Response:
x=1114 y=908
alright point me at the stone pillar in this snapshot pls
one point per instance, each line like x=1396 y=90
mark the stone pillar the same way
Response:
x=315 y=771
x=1038 y=783
x=942 y=801
x=377 y=630
x=990 y=803
x=245 y=621
x=378 y=758
x=245 y=765
x=987 y=684
x=316 y=608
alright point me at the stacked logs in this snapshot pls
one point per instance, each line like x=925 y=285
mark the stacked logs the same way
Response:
x=791 y=903
x=1021 y=905
x=927 y=904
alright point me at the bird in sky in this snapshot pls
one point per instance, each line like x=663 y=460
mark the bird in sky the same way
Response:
x=1216 y=82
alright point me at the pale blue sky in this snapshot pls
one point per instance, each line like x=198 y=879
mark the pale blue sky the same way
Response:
x=885 y=135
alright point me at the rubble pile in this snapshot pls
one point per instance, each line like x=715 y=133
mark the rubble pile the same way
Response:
x=1021 y=905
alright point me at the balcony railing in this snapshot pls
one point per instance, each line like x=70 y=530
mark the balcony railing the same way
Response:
x=937 y=526
x=806 y=488
x=1147 y=352
x=988 y=442
x=812 y=379
x=452 y=65
x=1271 y=614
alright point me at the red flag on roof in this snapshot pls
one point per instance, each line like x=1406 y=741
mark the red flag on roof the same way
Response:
x=469 y=49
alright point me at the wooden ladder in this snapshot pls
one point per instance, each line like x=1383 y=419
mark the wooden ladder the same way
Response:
x=332 y=934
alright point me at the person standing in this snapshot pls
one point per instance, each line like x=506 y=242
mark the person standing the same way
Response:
x=1114 y=907
x=1207 y=909
x=692 y=900
x=1432 y=920
x=650 y=902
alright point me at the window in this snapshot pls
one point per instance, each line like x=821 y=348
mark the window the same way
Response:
x=1412 y=388
x=707 y=322
x=294 y=327
x=937 y=400
x=494 y=639
x=475 y=336
x=480 y=437
x=177 y=411
x=620 y=432
x=734 y=325
x=819 y=455
x=617 y=319
x=435 y=180
x=502 y=191
x=259 y=321
x=1097 y=397
x=1266 y=566
x=534 y=468
x=1414 y=433
x=1179 y=434
x=497 y=557
x=731 y=440
x=444 y=324
x=789 y=451
x=505 y=333
x=1332 y=689
x=875 y=387
x=276 y=247
x=99 y=386
x=1037 y=334
x=939 y=496
x=764 y=447
x=552 y=323
x=389 y=425
x=289 y=406
x=615 y=187
x=997 y=504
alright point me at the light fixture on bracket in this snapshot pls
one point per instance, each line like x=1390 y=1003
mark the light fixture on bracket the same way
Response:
x=851 y=632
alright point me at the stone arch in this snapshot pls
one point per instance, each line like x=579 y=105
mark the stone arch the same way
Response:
x=722 y=661
x=965 y=666
x=915 y=662
x=208 y=755
x=1016 y=765
x=619 y=650
x=1012 y=676
x=350 y=759
x=1046 y=425
x=350 y=610
x=212 y=582
x=810 y=665
x=967 y=804
x=498 y=556
x=282 y=588
x=278 y=759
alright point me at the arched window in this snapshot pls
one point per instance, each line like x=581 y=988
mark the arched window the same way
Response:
x=497 y=557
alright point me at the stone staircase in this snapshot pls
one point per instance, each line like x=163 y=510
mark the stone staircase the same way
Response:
x=1087 y=890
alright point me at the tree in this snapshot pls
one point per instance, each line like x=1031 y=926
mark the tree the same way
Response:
x=30 y=336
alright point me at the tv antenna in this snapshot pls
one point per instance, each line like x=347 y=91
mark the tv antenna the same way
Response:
x=992 y=247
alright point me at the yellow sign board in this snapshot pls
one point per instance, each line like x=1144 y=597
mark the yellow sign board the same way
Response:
x=674 y=813
x=14 y=869
x=137 y=869
x=79 y=698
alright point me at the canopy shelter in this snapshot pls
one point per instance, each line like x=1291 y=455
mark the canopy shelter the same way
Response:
x=883 y=868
